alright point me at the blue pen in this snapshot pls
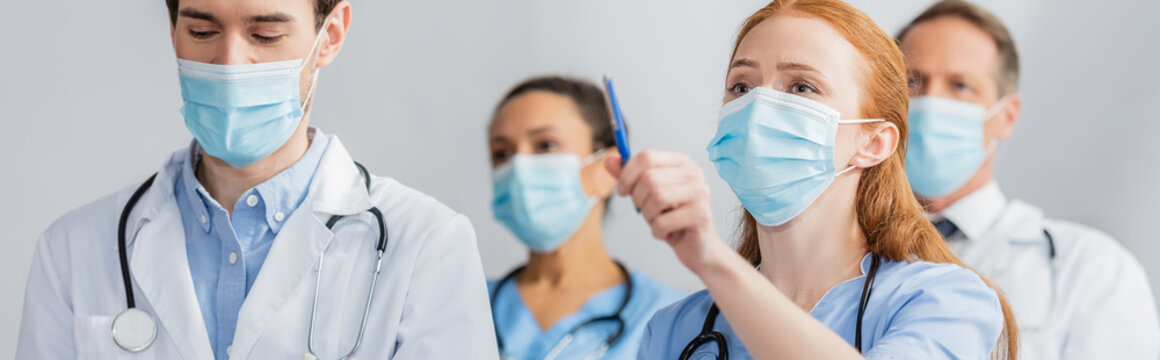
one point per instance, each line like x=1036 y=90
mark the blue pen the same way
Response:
x=617 y=121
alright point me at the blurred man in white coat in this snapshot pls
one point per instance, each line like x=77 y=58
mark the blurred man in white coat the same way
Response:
x=1077 y=293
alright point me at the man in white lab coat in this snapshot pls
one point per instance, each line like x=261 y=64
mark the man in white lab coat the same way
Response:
x=260 y=239
x=1077 y=294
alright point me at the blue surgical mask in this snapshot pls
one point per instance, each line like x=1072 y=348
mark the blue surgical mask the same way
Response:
x=776 y=151
x=946 y=144
x=540 y=198
x=242 y=113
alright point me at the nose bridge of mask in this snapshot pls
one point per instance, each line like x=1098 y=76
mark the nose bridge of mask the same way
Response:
x=795 y=102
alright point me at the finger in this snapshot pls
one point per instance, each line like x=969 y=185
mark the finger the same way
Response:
x=612 y=164
x=668 y=225
x=668 y=198
x=653 y=179
x=643 y=161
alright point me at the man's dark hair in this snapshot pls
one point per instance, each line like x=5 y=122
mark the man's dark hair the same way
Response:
x=322 y=8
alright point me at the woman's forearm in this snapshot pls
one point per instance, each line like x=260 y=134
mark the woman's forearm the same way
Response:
x=769 y=324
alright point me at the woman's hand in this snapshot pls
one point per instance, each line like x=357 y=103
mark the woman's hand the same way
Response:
x=670 y=192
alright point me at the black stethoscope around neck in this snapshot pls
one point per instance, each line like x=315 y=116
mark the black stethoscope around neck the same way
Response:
x=708 y=335
x=134 y=329
x=560 y=345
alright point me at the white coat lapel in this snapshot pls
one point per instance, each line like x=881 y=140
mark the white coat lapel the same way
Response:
x=993 y=253
x=288 y=266
x=1026 y=271
x=160 y=266
x=337 y=189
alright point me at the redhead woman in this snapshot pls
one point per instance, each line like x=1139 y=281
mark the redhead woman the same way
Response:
x=836 y=259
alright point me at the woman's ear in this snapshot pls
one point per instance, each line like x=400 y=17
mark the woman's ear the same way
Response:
x=880 y=143
x=598 y=181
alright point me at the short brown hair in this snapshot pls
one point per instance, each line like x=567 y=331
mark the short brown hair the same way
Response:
x=321 y=9
x=1007 y=76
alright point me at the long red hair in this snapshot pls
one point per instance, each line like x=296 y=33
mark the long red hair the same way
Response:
x=888 y=213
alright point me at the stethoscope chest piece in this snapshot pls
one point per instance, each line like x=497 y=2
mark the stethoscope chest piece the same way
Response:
x=134 y=329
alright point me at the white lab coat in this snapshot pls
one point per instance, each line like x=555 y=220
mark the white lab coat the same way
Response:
x=1093 y=301
x=430 y=301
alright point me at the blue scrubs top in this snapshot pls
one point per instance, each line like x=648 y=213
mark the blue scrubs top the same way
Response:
x=523 y=338
x=917 y=310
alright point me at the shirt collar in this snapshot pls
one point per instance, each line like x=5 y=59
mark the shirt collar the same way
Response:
x=865 y=264
x=974 y=213
x=281 y=194
x=197 y=198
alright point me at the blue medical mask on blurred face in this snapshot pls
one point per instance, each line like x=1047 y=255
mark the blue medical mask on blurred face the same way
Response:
x=540 y=198
x=776 y=151
x=242 y=113
x=946 y=144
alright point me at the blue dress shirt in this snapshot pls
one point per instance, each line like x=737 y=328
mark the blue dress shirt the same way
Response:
x=226 y=254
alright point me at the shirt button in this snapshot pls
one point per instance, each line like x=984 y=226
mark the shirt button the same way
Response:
x=279 y=216
x=252 y=200
x=230 y=350
x=233 y=258
x=204 y=219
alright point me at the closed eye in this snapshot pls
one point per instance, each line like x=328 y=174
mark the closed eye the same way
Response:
x=267 y=39
x=202 y=34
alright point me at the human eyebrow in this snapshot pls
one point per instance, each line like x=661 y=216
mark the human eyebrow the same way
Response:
x=743 y=62
x=788 y=66
x=278 y=17
x=541 y=130
x=197 y=14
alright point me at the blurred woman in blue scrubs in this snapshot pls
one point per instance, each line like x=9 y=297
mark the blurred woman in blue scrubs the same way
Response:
x=571 y=300
x=837 y=260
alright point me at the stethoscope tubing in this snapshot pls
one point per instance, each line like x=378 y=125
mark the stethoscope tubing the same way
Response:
x=616 y=316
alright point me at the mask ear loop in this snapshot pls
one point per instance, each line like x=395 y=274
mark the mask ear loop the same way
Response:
x=857 y=121
x=852 y=167
x=314 y=79
x=589 y=160
x=994 y=110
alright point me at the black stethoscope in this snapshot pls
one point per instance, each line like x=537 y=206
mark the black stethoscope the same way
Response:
x=1050 y=244
x=134 y=329
x=709 y=335
x=560 y=345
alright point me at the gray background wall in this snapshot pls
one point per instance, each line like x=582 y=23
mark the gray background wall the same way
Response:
x=89 y=98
